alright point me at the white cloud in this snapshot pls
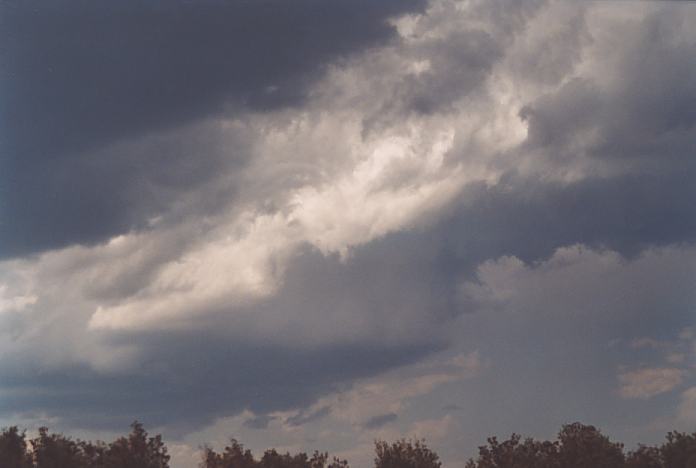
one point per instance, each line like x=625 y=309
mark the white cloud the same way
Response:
x=647 y=383
x=579 y=280
x=14 y=303
x=391 y=392
x=686 y=413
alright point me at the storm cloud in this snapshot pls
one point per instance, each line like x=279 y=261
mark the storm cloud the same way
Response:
x=78 y=77
x=339 y=221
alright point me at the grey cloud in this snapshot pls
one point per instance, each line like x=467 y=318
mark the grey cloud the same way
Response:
x=306 y=417
x=80 y=75
x=530 y=218
x=258 y=422
x=392 y=301
x=646 y=114
x=557 y=341
x=185 y=383
x=460 y=63
x=380 y=420
x=551 y=57
x=91 y=196
x=393 y=291
x=335 y=322
x=459 y=60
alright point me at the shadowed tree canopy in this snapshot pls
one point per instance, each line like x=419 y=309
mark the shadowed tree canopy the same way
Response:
x=58 y=451
x=405 y=454
x=577 y=446
x=236 y=456
x=137 y=450
x=516 y=453
x=679 y=451
x=583 y=446
x=13 y=449
x=644 y=457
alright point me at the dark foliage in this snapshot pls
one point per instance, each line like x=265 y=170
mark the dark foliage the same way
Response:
x=13 y=449
x=577 y=446
x=137 y=450
x=405 y=454
x=513 y=453
x=235 y=456
x=581 y=446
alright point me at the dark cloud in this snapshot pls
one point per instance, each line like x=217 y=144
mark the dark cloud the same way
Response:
x=107 y=124
x=380 y=420
x=87 y=197
x=185 y=383
x=530 y=219
x=79 y=75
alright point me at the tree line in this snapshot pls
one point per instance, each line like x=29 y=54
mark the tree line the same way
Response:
x=577 y=446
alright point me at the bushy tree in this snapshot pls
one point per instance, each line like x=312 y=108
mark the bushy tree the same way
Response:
x=582 y=446
x=137 y=451
x=94 y=453
x=235 y=456
x=13 y=449
x=338 y=463
x=58 y=451
x=577 y=446
x=405 y=454
x=679 y=451
x=644 y=457
x=513 y=453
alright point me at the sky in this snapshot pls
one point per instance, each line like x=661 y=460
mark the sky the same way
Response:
x=313 y=224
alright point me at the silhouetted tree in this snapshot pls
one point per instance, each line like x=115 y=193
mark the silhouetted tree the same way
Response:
x=137 y=451
x=644 y=457
x=583 y=446
x=338 y=463
x=58 y=451
x=94 y=453
x=273 y=459
x=405 y=454
x=320 y=460
x=679 y=451
x=235 y=456
x=577 y=446
x=515 y=454
x=13 y=449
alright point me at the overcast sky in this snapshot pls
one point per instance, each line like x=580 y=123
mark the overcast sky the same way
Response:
x=312 y=224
